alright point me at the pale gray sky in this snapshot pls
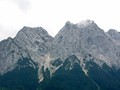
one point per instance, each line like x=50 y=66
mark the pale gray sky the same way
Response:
x=52 y=14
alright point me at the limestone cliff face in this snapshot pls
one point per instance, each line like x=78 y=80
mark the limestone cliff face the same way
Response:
x=115 y=35
x=33 y=43
x=36 y=41
x=85 y=37
x=10 y=53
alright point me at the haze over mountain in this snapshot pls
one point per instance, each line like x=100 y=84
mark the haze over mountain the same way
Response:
x=80 y=57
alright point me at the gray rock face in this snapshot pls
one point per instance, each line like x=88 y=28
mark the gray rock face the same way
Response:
x=31 y=43
x=115 y=35
x=36 y=41
x=10 y=52
x=85 y=37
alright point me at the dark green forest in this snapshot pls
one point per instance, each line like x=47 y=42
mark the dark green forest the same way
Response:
x=25 y=77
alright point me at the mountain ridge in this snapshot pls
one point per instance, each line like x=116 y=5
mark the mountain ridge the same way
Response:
x=76 y=47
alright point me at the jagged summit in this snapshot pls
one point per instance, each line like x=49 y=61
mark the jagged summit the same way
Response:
x=10 y=53
x=29 y=34
x=85 y=36
x=113 y=32
x=68 y=23
x=28 y=31
x=9 y=38
x=35 y=40
x=115 y=35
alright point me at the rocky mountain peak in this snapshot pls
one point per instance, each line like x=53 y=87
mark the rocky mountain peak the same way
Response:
x=112 y=31
x=9 y=38
x=39 y=30
x=115 y=35
x=68 y=24
x=73 y=38
x=10 y=53
x=36 y=41
x=31 y=36
x=33 y=43
x=32 y=32
x=85 y=26
x=85 y=37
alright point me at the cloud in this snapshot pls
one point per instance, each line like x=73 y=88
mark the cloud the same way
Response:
x=24 y=5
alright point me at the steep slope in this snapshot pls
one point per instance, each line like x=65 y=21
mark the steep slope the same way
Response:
x=85 y=37
x=71 y=76
x=23 y=77
x=10 y=53
x=36 y=41
x=115 y=35
x=30 y=43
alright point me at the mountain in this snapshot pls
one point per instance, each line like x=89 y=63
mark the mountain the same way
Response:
x=80 y=57
x=85 y=37
x=36 y=40
x=115 y=35
x=31 y=44
x=23 y=77
x=10 y=53
x=71 y=76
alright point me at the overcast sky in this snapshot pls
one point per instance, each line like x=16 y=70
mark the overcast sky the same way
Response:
x=52 y=14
